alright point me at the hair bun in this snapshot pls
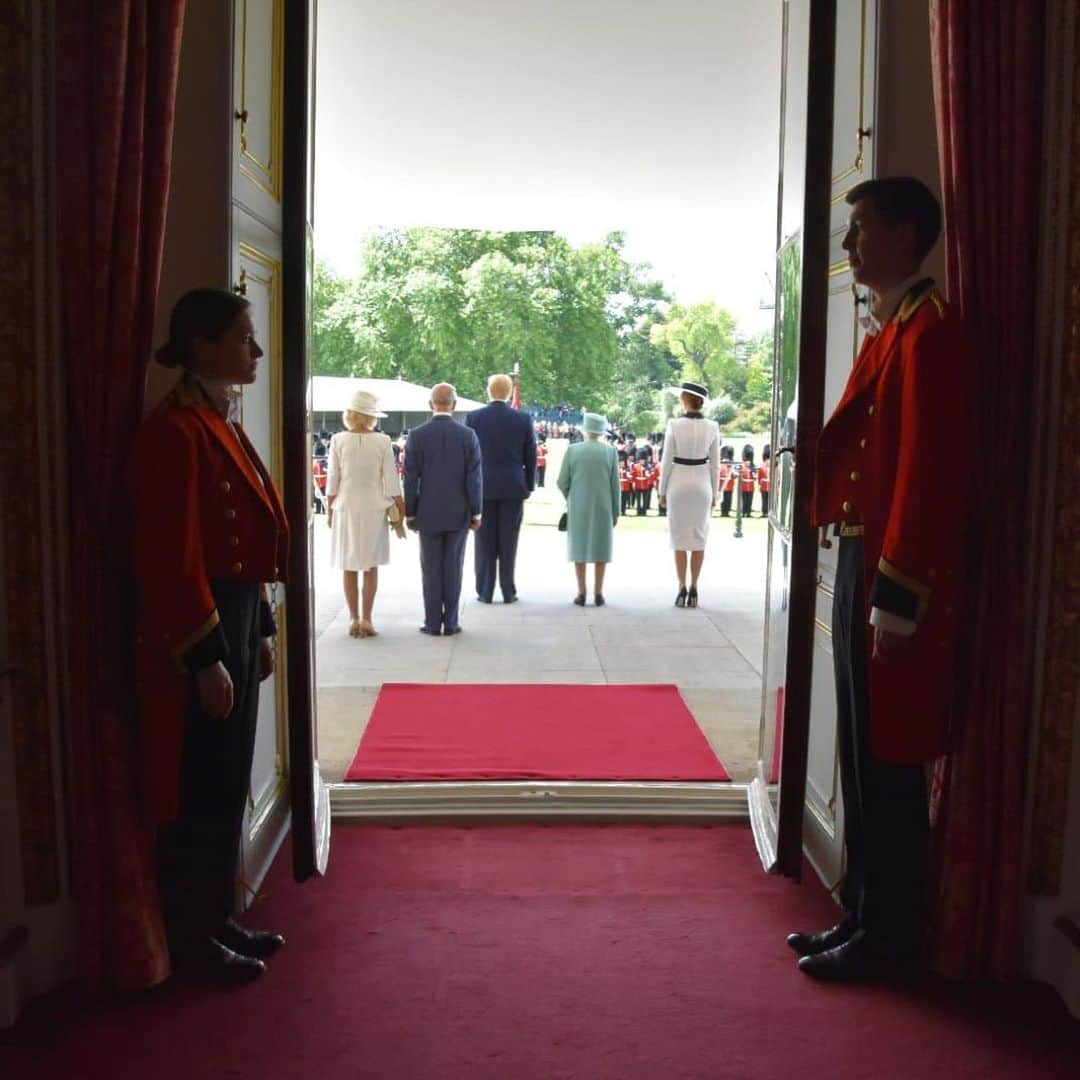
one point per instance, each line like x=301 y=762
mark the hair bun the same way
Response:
x=166 y=355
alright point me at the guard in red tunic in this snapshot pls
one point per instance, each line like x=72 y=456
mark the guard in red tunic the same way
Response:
x=209 y=532
x=641 y=484
x=898 y=602
x=747 y=476
x=541 y=461
x=626 y=483
x=727 y=479
x=763 y=478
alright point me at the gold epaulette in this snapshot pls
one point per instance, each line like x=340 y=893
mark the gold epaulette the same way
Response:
x=920 y=293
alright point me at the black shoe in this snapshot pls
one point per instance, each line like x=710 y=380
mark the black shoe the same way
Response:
x=691 y=598
x=510 y=599
x=680 y=600
x=580 y=599
x=428 y=630
x=450 y=631
x=859 y=959
x=599 y=600
x=484 y=599
x=255 y=944
x=824 y=940
x=217 y=963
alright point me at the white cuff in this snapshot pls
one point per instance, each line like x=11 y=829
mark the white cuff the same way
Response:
x=894 y=624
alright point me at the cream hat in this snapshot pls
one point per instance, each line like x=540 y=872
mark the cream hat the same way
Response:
x=364 y=403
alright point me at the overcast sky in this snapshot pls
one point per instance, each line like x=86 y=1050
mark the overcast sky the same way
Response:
x=583 y=116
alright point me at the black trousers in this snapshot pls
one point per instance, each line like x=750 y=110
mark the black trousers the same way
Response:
x=764 y=504
x=541 y=472
x=198 y=853
x=886 y=822
x=496 y=546
x=747 y=502
x=627 y=499
x=725 y=503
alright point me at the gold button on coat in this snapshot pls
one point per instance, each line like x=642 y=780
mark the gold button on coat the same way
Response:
x=854 y=476
x=846 y=506
x=234 y=541
x=862 y=443
x=226 y=486
x=237 y=567
x=230 y=515
x=870 y=411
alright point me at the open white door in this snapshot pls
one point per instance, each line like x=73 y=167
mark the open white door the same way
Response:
x=829 y=49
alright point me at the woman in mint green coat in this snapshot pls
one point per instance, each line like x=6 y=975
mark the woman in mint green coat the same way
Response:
x=589 y=481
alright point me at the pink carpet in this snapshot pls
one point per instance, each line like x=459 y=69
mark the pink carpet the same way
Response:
x=529 y=952
x=456 y=731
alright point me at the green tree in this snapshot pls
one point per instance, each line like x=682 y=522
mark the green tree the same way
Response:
x=702 y=338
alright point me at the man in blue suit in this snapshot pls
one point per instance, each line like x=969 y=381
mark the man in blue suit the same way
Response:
x=508 y=449
x=443 y=501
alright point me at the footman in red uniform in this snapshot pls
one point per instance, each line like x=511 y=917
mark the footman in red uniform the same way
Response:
x=210 y=531
x=898 y=601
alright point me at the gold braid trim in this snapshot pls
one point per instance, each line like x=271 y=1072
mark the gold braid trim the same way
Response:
x=185 y=643
x=922 y=591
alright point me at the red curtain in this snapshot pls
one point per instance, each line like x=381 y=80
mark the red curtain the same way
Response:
x=116 y=63
x=987 y=61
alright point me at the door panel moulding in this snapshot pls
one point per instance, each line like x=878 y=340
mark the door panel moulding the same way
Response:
x=564 y=799
x=761 y=799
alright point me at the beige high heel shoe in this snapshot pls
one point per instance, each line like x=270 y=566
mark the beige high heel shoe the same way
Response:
x=367 y=630
x=354 y=628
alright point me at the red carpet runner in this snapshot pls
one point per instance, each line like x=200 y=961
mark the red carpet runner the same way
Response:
x=466 y=731
x=545 y=952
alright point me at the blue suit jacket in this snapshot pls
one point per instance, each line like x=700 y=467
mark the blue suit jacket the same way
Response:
x=443 y=484
x=508 y=450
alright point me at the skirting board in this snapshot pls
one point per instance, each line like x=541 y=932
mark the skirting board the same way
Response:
x=564 y=799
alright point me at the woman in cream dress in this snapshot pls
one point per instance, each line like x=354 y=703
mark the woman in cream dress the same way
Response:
x=362 y=483
x=689 y=474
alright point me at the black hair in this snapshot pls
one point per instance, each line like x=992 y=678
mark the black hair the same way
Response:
x=200 y=313
x=903 y=200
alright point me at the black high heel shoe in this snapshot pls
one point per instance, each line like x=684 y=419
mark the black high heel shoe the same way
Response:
x=680 y=600
x=691 y=597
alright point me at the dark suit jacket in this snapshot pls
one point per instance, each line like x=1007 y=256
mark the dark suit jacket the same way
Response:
x=443 y=484
x=508 y=449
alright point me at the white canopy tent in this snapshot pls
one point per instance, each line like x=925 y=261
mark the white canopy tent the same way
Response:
x=406 y=403
x=331 y=393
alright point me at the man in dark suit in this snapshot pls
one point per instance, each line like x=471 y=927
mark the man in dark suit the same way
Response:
x=443 y=501
x=508 y=450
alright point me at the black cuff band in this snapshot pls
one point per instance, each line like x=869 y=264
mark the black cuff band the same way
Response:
x=890 y=596
x=208 y=650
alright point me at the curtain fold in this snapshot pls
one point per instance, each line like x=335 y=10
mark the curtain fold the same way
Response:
x=987 y=61
x=117 y=64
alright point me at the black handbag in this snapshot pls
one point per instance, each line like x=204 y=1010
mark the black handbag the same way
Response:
x=562 y=522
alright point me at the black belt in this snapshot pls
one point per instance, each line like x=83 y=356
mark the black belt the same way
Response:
x=691 y=460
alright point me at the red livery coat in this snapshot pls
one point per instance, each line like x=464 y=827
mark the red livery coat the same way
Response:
x=910 y=396
x=763 y=476
x=206 y=509
x=727 y=476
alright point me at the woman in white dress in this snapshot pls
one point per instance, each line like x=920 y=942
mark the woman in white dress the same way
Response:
x=689 y=474
x=362 y=482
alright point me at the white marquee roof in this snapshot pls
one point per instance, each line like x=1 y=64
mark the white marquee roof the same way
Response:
x=331 y=393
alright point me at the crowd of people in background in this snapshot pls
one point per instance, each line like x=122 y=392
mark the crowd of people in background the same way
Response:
x=639 y=466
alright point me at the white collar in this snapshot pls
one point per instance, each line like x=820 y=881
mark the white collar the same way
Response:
x=449 y=414
x=883 y=307
x=224 y=397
